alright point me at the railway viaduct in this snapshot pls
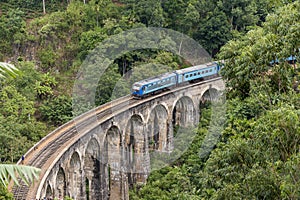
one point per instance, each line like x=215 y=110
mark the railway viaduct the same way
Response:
x=102 y=153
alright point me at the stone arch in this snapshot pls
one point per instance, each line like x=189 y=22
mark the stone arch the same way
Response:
x=158 y=128
x=75 y=176
x=134 y=149
x=92 y=170
x=184 y=112
x=210 y=94
x=113 y=148
x=60 y=184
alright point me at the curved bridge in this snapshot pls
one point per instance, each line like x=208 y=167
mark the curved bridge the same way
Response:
x=102 y=153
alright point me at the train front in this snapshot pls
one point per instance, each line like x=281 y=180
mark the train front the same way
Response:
x=136 y=90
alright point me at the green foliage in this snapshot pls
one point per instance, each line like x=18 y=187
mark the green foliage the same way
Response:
x=48 y=57
x=36 y=5
x=258 y=156
x=12 y=172
x=7 y=69
x=18 y=128
x=106 y=85
x=241 y=13
x=12 y=30
x=214 y=31
x=4 y=194
x=89 y=41
x=44 y=87
x=57 y=110
x=149 y=13
x=239 y=168
x=249 y=58
x=25 y=82
x=14 y=105
x=67 y=198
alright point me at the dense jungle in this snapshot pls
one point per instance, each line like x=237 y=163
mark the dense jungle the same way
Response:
x=257 y=153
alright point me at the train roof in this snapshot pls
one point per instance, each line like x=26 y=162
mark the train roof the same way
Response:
x=155 y=78
x=194 y=68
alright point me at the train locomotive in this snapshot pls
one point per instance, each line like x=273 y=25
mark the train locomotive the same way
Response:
x=173 y=79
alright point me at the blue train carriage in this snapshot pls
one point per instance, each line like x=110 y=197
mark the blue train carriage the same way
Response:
x=198 y=72
x=154 y=85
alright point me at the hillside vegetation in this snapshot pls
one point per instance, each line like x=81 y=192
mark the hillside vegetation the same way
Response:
x=257 y=156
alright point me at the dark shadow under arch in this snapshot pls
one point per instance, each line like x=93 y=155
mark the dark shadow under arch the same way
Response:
x=158 y=128
x=92 y=169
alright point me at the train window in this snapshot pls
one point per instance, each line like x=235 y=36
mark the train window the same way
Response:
x=191 y=75
x=186 y=76
x=202 y=72
x=195 y=74
x=210 y=70
x=206 y=71
x=198 y=73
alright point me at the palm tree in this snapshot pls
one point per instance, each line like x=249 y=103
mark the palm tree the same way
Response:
x=10 y=172
x=7 y=69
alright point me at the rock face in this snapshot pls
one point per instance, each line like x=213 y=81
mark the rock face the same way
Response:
x=106 y=154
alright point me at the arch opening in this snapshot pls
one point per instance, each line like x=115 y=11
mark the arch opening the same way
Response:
x=134 y=150
x=184 y=114
x=113 y=148
x=158 y=133
x=75 y=176
x=60 y=190
x=49 y=193
x=209 y=96
x=92 y=169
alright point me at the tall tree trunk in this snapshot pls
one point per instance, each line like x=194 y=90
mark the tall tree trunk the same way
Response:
x=44 y=7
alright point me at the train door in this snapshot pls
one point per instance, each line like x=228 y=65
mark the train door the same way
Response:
x=180 y=78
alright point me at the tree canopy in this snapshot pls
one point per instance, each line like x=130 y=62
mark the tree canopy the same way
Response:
x=256 y=156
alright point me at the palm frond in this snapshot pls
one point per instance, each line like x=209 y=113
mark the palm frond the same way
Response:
x=10 y=172
x=8 y=70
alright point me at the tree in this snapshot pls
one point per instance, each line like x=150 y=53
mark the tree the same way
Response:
x=44 y=7
x=150 y=13
x=249 y=58
x=12 y=31
x=10 y=172
x=213 y=31
x=241 y=13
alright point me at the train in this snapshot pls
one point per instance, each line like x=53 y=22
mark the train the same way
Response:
x=173 y=79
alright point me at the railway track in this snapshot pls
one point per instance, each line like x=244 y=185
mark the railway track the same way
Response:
x=47 y=152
